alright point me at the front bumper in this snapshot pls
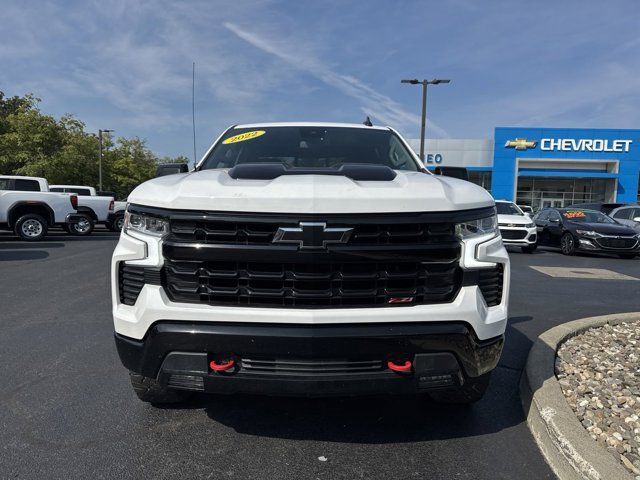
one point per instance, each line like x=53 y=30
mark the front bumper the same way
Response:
x=590 y=244
x=528 y=236
x=310 y=360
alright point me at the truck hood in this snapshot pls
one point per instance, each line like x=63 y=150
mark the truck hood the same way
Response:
x=215 y=190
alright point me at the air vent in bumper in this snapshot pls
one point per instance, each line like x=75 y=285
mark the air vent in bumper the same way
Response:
x=131 y=279
x=310 y=366
x=490 y=282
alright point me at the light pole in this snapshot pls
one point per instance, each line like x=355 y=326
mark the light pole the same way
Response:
x=424 y=83
x=100 y=132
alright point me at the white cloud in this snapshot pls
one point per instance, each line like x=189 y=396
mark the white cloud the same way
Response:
x=372 y=102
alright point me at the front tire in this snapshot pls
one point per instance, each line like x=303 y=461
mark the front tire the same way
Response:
x=568 y=244
x=83 y=227
x=117 y=223
x=471 y=391
x=149 y=390
x=529 y=248
x=31 y=227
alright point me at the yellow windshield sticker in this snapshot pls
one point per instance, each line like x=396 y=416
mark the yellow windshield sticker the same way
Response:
x=244 y=136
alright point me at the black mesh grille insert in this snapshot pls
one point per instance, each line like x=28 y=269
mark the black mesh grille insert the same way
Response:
x=628 y=242
x=330 y=284
x=513 y=234
x=306 y=367
x=490 y=282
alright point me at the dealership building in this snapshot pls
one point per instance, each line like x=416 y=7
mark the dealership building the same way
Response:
x=547 y=167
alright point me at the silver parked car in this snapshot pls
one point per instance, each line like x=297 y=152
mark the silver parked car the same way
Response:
x=627 y=215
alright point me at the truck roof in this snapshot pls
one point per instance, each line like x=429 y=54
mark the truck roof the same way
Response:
x=309 y=124
x=23 y=177
x=70 y=186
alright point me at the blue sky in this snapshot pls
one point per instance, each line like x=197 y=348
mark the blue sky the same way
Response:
x=126 y=65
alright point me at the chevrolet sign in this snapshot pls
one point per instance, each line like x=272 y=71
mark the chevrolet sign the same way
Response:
x=584 y=145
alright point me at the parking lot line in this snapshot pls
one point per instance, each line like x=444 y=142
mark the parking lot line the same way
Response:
x=590 y=273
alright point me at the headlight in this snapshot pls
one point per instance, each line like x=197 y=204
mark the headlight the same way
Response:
x=529 y=225
x=588 y=233
x=146 y=224
x=474 y=228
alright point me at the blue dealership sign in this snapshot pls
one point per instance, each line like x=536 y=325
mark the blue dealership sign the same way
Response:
x=555 y=152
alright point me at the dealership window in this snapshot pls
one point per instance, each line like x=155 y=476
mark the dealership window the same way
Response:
x=540 y=192
x=481 y=178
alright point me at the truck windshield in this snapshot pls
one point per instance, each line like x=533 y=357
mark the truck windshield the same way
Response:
x=310 y=147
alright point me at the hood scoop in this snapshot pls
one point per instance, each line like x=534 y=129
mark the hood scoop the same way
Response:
x=354 y=171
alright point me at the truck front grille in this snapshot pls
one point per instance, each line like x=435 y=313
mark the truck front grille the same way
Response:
x=331 y=284
x=242 y=232
x=296 y=260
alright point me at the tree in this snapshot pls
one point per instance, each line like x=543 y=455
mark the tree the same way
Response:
x=60 y=150
x=127 y=165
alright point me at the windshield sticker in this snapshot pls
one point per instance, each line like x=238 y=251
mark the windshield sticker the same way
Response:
x=244 y=136
x=574 y=214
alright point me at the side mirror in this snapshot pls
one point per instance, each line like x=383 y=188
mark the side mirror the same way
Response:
x=171 y=168
x=554 y=220
x=636 y=219
x=455 y=172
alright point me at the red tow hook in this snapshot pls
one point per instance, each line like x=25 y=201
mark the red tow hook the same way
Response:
x=399 y=367
x=222 y=366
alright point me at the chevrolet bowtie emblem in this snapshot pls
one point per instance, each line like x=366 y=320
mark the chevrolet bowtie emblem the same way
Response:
x=520 y=144
x=311 y=235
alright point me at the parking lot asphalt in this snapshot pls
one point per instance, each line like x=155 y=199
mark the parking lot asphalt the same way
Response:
x=67 y=409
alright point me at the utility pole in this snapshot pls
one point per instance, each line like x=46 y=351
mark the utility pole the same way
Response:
x=100 y=132
x=423 y=126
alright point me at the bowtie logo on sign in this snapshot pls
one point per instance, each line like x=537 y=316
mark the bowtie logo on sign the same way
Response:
x=520 y=144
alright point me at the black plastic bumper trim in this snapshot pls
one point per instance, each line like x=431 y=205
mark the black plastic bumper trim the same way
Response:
x=196 y=342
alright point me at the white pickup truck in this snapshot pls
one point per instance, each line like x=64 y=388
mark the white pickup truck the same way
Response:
x=29 y=209
x=94 y=208
x=310 y=259
x=116 y=218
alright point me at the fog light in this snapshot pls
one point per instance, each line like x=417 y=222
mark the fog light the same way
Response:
x=586 y=243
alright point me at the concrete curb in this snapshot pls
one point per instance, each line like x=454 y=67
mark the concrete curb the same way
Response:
x=565 y=444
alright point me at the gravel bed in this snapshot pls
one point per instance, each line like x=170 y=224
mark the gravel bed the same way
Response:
x=599 y=373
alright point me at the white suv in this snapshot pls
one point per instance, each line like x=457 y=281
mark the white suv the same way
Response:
x=310 y=259
x=516 y=227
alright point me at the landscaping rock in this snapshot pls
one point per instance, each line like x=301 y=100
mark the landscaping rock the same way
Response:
x=599 y=373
